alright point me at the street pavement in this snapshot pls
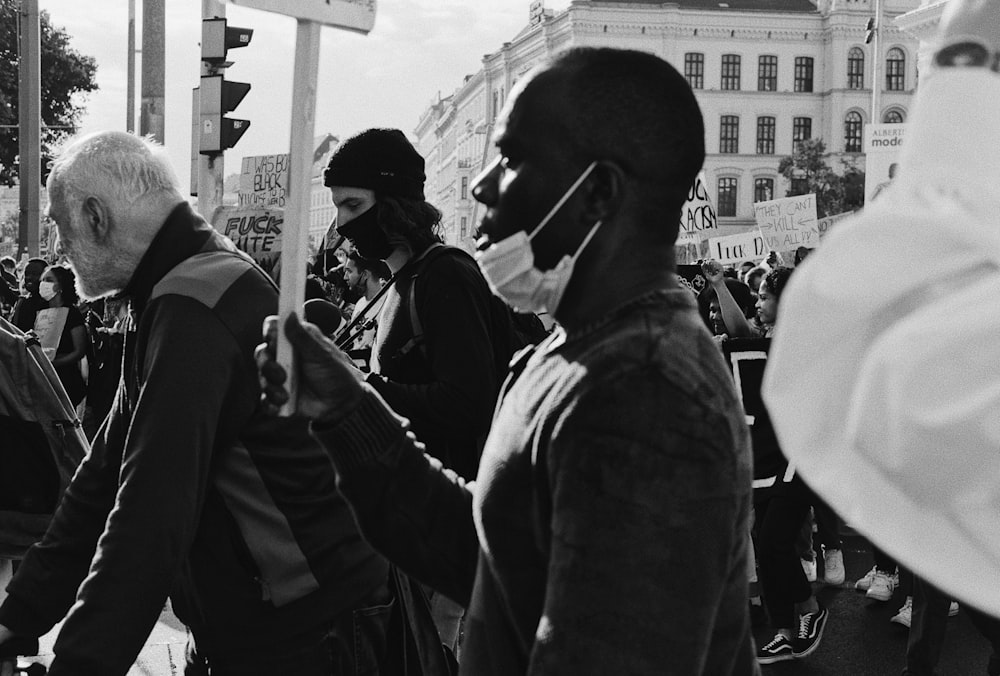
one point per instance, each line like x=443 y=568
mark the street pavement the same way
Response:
x=859 y=639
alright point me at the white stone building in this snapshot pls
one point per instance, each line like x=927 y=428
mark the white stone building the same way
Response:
x=766 y=73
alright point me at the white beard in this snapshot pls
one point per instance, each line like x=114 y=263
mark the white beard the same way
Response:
x=100 y=270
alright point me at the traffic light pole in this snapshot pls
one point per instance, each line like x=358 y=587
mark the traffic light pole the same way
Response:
x=211 y=168
x=29 y=127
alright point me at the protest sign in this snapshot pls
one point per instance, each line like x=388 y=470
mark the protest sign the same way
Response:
x=698 y=222
x=49 y=325
x=691 y=277
x=254 y=231
x=698 y=219
x=882 y=145
x=786 y=224
x=746 y=246
x=263 y=181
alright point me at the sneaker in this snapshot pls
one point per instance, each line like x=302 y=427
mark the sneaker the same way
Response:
x=953 y=609
x=810 y=569
x=905 y=614
x=778 y=649
x=833 y=566
x=881 y=587
x=864 y=583
x=811 y=627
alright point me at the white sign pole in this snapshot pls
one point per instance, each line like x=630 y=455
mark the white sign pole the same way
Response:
x=295 y=236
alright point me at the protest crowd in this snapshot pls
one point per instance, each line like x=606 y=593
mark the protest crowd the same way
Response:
x=570 y=453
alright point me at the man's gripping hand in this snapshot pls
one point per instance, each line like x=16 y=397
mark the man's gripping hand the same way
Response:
x=328 y=382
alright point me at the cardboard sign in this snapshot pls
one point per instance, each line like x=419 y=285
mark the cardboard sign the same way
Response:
x=263 y=181
x=790 y=222
x=698 y=218
x=256 y=232
x=882 y=145
x=49 y=325
x=746 y=246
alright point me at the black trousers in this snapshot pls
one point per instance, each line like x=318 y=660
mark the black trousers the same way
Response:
x=780 y=512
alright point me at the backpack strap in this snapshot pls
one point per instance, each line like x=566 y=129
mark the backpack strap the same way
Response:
x=420 y=264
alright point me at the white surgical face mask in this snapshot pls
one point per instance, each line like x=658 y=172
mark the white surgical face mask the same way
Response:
x=509 y=265
x=47 y=290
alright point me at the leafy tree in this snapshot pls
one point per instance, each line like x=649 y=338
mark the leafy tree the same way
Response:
x=67 y=75
x=808 y=172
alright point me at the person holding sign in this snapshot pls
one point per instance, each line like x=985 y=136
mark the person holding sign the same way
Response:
x=61 y=329
x=188 y=491
x=607 y=531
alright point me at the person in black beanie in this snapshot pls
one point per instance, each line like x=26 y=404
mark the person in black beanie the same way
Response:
x=433 y=360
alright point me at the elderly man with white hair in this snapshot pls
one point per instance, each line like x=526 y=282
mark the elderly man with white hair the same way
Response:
x=188 y=492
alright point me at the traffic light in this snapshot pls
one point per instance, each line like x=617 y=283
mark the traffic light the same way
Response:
x=870 y=29
x=217 y=37
x=217 y=95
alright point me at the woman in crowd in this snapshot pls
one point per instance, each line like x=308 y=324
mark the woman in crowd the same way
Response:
x=58 y=288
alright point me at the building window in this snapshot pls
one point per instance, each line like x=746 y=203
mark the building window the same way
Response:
x=763 y=189
x=893 y=117
x=465 y=187
x=802 y=130
x=856 y=68
x=694 y=69
x=731 y=71
x=765 y=135
x=895 y=70
x=799 y=186
x=495 y=107
x=727 y=197
x=852 y=132
x=803 y=74
x=729 y=134
x=464 y=227
x=767 y=74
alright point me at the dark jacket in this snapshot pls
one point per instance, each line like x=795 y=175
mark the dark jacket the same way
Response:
x=608 y=531
x=448 y=387
x=191 y=492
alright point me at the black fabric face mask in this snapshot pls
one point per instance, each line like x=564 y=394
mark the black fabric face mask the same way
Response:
x=367 y=235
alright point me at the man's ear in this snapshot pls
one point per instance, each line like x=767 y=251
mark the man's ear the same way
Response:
x=605 y=191
x=96 y=218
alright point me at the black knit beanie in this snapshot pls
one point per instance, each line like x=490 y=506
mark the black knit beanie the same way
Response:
x=382 y=160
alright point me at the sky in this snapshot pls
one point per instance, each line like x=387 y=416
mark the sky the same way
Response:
x=418 y=50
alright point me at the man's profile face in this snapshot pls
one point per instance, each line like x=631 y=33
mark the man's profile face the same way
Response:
x=351 y=274
x=533 y=170
x=99 y=269
x=351 y=202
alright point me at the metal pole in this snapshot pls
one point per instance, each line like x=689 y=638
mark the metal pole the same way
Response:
x=153 y=68
x=130 y=80
x=211 y=169
x=30 y=126
x=876 y=64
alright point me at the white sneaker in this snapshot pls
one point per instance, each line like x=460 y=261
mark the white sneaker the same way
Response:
x=864 y=583
x=833 y=566
x=905 y=614
x=881 y=587
x=810 y=569
x=953 y=609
